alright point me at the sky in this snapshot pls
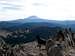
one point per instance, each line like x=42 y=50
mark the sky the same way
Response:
x=46 y=9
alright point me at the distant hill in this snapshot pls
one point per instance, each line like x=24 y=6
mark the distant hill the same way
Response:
x=30 y=19
x=34 y=21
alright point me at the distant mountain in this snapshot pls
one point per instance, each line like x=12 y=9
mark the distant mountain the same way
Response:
x=30 y=22
x=30 y=19
x=34 y=21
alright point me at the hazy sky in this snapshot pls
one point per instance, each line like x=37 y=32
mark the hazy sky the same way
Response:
x=47 y=9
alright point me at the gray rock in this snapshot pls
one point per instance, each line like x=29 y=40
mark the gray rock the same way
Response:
x=55 y=51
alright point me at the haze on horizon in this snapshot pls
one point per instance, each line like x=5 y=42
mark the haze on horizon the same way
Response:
x=46 y=9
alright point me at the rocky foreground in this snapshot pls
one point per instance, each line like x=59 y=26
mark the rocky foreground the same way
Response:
x=28 y=49
x=71 y=52
x=31 y=49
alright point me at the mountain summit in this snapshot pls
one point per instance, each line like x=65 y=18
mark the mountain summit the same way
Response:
x=31 y=19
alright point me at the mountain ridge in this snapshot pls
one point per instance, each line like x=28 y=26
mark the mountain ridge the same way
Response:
x=33 y=21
